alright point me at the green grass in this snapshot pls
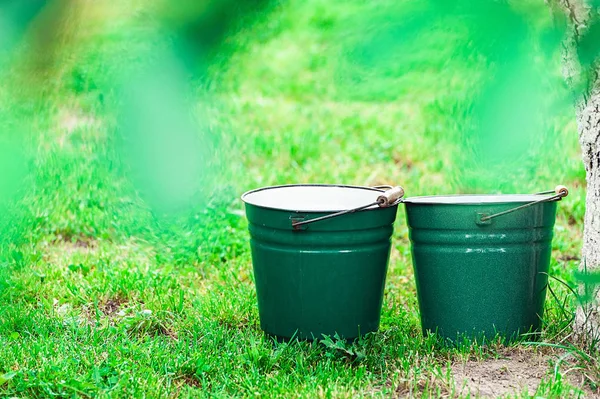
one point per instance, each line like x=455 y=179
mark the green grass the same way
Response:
x=105 y=293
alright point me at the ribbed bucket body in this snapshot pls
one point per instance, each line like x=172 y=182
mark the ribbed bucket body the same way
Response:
x=476 y=279
x=327 y=277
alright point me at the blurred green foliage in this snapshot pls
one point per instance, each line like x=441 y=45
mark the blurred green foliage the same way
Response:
x=138 y=143
x=513 y=55
x=511 y=50
x=15 y=17
x=200 y=28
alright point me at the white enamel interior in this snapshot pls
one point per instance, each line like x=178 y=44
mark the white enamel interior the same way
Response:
x=476 y=199
x=312 y=198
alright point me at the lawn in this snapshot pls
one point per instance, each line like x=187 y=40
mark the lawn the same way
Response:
x=128 y=275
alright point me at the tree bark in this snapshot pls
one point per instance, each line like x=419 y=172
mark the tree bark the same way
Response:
x=587 y=318
x=587 y=322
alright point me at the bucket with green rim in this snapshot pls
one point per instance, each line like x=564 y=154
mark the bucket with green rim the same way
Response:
x=320 y=255
x=481 y=262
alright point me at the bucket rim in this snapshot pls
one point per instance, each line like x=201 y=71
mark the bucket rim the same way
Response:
x=477 y=199
x=288 y=209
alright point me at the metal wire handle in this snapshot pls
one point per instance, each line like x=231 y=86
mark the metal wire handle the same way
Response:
x=560 y=191
x=387 y=198
x=383 y=187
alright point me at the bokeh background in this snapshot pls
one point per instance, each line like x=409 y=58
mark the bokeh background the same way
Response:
x=129 y=130
x=189 y=106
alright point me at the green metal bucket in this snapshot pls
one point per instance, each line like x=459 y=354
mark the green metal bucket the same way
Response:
x=477 y=278
x=323 y=278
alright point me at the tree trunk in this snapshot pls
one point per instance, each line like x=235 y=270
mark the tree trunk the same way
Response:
x=587 y=318
x=587 y=323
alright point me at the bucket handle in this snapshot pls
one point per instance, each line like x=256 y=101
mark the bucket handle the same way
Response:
x=383 y=187
x=560 y=192
x=390 y=197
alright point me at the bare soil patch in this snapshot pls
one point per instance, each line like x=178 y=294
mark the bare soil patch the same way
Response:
x=515 y=371
x=109 y=309
x=111 y=306
x=191 y=381
x=61 y=252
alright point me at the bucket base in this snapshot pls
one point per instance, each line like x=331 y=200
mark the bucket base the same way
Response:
x=311 y=294
x=480 y=338
x=280 y=339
